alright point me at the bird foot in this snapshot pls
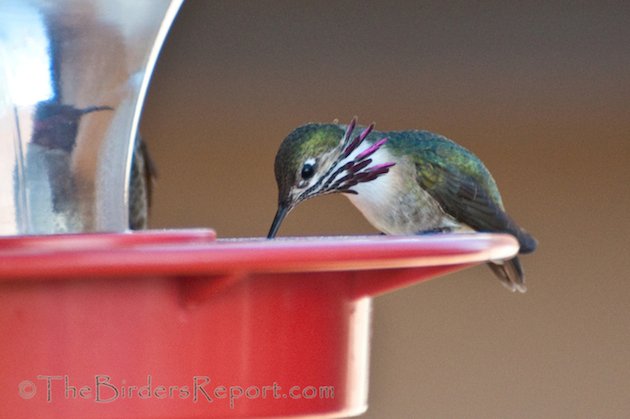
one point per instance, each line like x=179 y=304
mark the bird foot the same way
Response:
x=437 y=230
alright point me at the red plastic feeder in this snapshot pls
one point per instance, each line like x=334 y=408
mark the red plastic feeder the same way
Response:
x=177 y=324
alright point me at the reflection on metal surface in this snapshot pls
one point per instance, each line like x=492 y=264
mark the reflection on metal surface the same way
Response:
x=73 y=76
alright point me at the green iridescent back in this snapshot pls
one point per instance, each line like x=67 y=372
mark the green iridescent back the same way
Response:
x=429 y=150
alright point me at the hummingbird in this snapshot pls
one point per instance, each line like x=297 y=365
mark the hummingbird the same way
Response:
x=403 y=182
x=56 y=126
x=141 y=184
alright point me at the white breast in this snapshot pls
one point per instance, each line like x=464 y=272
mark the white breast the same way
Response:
x=395 y=203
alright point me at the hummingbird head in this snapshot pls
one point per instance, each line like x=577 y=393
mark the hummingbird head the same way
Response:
x=56 y=125
x=318 y=159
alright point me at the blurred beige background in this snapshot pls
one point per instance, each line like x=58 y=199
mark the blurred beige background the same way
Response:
x=541 y=92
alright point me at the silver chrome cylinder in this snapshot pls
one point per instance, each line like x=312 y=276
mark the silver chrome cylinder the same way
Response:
x=73 y=77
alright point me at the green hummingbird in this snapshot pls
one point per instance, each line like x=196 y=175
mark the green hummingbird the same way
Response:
x=404 y=182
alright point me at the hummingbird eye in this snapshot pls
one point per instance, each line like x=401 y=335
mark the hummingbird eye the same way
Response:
x=308 y=170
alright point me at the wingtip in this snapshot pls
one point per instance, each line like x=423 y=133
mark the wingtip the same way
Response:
x=528 y=243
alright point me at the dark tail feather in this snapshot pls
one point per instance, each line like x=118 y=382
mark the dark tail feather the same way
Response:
x=510 y=273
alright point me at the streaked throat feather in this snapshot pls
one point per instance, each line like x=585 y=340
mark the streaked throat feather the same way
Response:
x=351 y=164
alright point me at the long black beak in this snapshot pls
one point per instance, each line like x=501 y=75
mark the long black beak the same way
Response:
x=277 y=220
x=95 y=109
